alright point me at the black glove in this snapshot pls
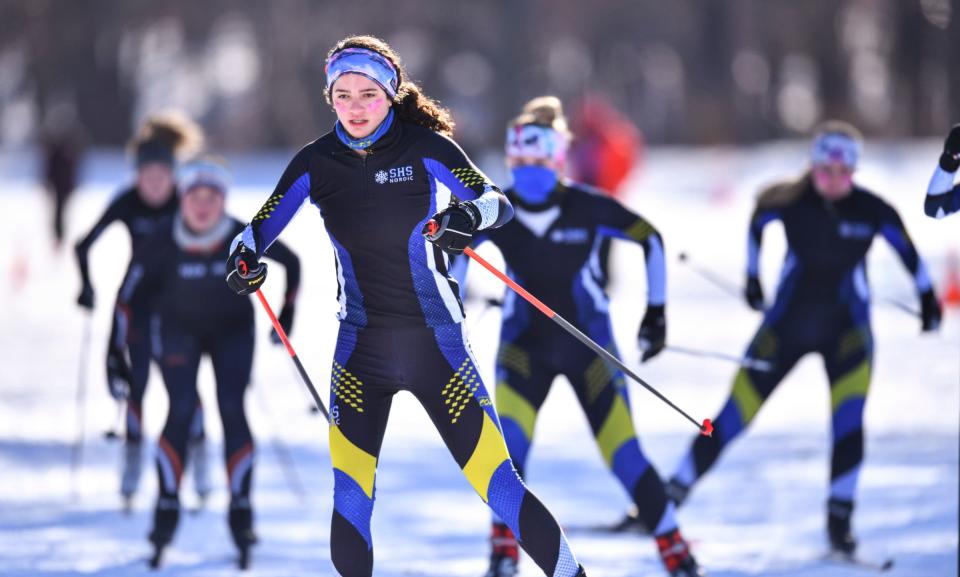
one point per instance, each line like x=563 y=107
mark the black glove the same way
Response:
x=286 y=322
x=754 y=293
x=85 y=300
x=653 y=332
x=930 y=312
x=245 y=274
x=119 y=375
x=950 y=159
x=452 y=228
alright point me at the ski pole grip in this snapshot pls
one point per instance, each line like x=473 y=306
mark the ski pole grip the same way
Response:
x=706 y=429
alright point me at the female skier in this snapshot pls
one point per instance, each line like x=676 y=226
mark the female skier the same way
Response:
x=152 y=197
x=552 y=247
x=178 y=272
x=822 y=305
x=943 y=197
x=386 y=169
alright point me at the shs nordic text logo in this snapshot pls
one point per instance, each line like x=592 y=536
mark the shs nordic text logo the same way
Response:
x=394 y=175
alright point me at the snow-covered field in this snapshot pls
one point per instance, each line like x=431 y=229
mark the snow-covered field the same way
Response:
x=759 y=513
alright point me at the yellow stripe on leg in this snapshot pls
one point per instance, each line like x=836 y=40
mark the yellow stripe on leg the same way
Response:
x=856 y=383
x=512 y=405
x=616 y=429
x=360 y=465
x=746 y=397
x=488 y=455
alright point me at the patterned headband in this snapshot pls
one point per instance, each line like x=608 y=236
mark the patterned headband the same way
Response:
x=833 y=147
x=536 y=141
x=369 y=63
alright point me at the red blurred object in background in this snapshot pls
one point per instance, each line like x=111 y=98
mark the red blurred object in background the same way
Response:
x=606 y=146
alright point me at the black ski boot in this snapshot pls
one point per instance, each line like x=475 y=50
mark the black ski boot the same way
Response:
x=838 y=527
x=631 y=523
x=676 y=556
x=241 y=527
x=505 y=555
x=165 y=519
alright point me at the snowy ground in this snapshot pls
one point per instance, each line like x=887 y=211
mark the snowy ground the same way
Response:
x=759 y=513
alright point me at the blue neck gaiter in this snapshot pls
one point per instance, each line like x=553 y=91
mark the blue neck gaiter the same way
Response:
x=533 y=184
x=366 y=141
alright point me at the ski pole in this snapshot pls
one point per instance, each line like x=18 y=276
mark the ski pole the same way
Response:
x=76 y=453
x=114 y=433
x=716 y=280
x=293 y=355
x=892 y=302
x=706 y=428
x=736 y=292
x=750 y=363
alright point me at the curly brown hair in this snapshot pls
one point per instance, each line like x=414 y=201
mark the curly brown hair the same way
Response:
x=411 y=104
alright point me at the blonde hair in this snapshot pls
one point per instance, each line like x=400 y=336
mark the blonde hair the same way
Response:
x=173 y=129
x=838 y=127
x=544 y=111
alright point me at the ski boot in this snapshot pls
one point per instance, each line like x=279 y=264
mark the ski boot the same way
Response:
x=838 y=527
x=165 y=520
x=130 y=472
x=197 y=458
x=676 y=557
x=631 y=523
x=505 y=557
x=241 y=528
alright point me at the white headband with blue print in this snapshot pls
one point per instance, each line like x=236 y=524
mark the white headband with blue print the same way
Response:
x=831 y=147
x=203 y=173
x=369 y=63
x=536 y=141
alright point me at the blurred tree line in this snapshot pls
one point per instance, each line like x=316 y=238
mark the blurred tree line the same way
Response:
x=685 y=71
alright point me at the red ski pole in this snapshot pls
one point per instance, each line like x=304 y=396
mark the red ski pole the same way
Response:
x=706 y=428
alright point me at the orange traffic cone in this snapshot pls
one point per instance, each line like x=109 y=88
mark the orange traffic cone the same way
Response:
x=951 y=283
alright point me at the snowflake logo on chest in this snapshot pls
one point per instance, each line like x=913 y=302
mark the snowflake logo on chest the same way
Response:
x=380 y=176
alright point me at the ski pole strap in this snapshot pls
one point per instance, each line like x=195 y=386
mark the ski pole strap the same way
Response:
x=706 y=428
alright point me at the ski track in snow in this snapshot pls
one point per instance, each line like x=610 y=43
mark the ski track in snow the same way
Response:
x=760 y=512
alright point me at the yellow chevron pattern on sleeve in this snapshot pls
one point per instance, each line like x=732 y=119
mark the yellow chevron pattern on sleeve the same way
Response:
x=268 y=207
x=639 y=230
x=469 y=177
